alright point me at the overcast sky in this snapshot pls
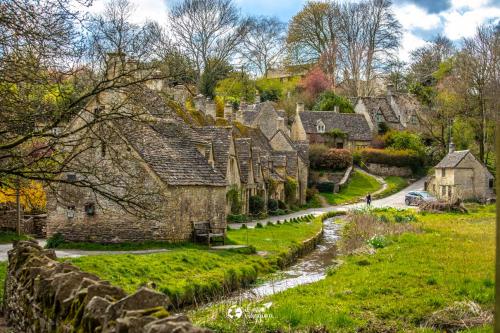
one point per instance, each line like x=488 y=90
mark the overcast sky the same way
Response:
x=421 y=19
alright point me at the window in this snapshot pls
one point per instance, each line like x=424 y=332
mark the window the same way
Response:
x=443 y=190
x=443 y=172
x=320 y=127
x=90 y=209
x=71 y=177
x=414 y=120
x=70 y=212
x=379 y=116
x=340 y=145
x=491 y=183
x=449 y=191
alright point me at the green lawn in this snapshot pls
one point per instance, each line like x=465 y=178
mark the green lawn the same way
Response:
x=192 y=274
x=396 y=289
x=394 y=185
x=357 y=188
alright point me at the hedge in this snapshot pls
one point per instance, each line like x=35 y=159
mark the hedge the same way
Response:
x=323 y=158
x=392 y=157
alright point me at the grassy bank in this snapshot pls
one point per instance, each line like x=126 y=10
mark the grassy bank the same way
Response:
x=394 y=185
x=356 y=189
x=397 y=289
x=10 y=236
x=192 y=274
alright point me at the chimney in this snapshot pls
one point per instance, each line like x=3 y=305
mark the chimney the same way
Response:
x=210 y=108
x=115 y=64
x=390 y=89
x=228 y=111
x=452 y=147
x=257 y=97
x=199 y=104
x=299 y=108
x=336 y=109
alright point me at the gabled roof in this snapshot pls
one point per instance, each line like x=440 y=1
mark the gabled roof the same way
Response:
x=354 y=124
x=170 y=153
x=221 y=139
x=451 y=160
x=243 y=153
x=376 y=104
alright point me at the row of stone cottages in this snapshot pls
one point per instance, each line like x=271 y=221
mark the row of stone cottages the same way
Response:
x=159 y=175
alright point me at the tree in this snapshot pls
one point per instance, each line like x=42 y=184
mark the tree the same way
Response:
x=314 y=83
x=53 y=62
x=327 y=101
x=478 y=68
x=264 y=44
x=236 y=87
x=313 y=35
x=209 y=32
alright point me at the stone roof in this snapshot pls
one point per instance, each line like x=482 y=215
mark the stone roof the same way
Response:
x=452 y=159
x=355 y=125
x=243 y=153
x=221 y=140
x=170 y=153
x=374 y=104
x=303 y=149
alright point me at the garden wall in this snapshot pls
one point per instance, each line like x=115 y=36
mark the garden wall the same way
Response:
x=386 y=170
x=44 y=295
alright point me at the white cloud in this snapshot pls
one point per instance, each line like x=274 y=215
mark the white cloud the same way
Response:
x=409 y=43
x=471 y=4
x=412 y=16
x=460 y=24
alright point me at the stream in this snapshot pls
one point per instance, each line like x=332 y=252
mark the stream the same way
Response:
x=308 y=269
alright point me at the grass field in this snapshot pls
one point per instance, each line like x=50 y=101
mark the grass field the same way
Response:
x=394 y=185
x=192 y=274
x=394 y=290
x=358 y=187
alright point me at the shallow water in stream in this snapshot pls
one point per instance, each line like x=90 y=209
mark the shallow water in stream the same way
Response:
x=308 y=269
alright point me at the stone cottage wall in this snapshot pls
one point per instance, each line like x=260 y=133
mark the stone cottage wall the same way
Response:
x=386 y=170
x=177 y=210
x=43 y=295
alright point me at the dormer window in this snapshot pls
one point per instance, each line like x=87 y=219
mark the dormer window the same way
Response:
x=320 y=126
x=379 y=116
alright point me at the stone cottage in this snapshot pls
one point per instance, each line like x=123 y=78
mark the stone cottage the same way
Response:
x=460 y=175
x=338 y=130
x=396 y=110
x=151 y=177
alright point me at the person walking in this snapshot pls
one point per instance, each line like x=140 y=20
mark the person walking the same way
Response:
x=369 y=199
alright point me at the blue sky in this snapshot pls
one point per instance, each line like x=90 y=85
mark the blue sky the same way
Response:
x=421 y=19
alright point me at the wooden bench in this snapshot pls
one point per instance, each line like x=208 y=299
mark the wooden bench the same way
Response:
x=208 y=233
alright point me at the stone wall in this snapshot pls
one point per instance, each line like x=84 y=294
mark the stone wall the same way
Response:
x=44 y=295
x=30 y=224
x=180 y=207
x=386 y=170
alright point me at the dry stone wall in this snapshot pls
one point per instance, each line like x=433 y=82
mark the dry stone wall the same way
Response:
x=387 y=170
x=44 y=295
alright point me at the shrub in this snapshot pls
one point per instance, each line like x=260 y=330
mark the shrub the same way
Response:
x=322 y=158
x=272 y=205
x=356 y=158
x=291 y=190
x=402 y=140
x=234 y=200
x=259 y=225
x=377 y=242
x=54 y=241
x=328 y=100
x=256 y=205
x=311 y=192
x=237 y=218
x=326 y=187
x=383 y=128
x=392 y=157
x=282 y=205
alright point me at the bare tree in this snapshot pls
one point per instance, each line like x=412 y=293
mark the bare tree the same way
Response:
x=55 y=66
x=478 y=67
x=313 y=35
x=263 y=45
x=208 y=31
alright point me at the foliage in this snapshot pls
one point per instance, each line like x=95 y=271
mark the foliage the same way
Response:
x=10 y=236
x=257 y=205
x=234 y=200
x=291 y=186
x=377 y=242
x=314 y=83
x=54 y=241
x=325 y=187
x=212 y=74
x=392 y=157
x=451 y=262
x=237 y=218
x=311 y=192
x=328 y=100
x=323 y=158
x=237 y=87
x=275 y=90
x=404 y=140
x=337 y=133
x=359 y=185
x=32 y=197
x=272 y=205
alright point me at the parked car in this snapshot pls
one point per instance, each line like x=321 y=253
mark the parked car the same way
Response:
x=417 y=197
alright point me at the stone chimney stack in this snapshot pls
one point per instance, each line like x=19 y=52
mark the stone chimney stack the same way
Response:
x=451 y=147
x=390 y=89
x=210 y=108
x=115 y=64
x=299 y=108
